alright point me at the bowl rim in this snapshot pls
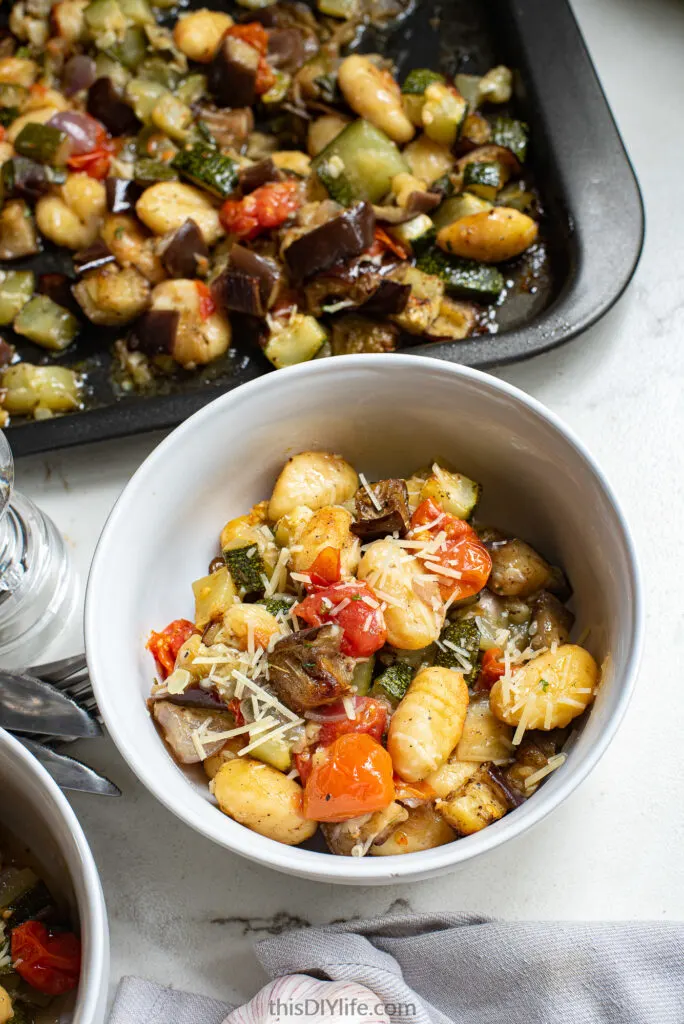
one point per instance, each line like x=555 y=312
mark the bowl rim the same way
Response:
x=323 y=866
x=92 y=911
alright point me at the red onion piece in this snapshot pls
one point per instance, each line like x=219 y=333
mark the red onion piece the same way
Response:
x=84 y=131
x=79 y=74
x=330 y=712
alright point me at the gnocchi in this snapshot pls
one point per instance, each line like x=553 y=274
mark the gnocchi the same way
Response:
x=414 y=613
x=166 y=206
x=263 y=799
x=313 y=479
x=548 y=692
x=374 y=94
x=428 y=723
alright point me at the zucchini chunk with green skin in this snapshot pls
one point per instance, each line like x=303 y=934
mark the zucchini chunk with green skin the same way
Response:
x=27 y=388
x=276 y=605
x=16 y=288
x=296 y=342
x=246 y=567
x=43 y=321
x=413 y=92
x=465 y=636
x=394 y=682
x=463 y=278
x=148 y=171
x=456 y=494
x=485 y=179
x=512 y=134
x=415 y=234
x=43 y=143
x=363 y=675
x=205 y=167
x=359 y=163
x=443 y=114
x=461 y=205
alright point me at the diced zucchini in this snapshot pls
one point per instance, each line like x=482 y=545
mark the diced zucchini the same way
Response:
x=298 y=340
x=131 y=49
x=29 y=387
x=278 y=91
x=463 y=278
x=246 y=567
x=338 y=8
x=394 y=681
x=172 y=116
x=444 y=185
x=35 y=901
x=104 y=18
x=359 y=163
x=512 y=134
x=16 y=288
x=427 y=292
x=464 y=635
x=107 y=67
x=207 y=168
x=43 y=321
x=517 y=197
x=461 y=205
x=276 y=752
x=148 y=171
x=277 y=605
x=43 y=143
x=191 y=89
x=443 y=113
x=485 y=179
x=415 y=234
x=469 y=87
x=138 y=12
x=214 y=595
x=413 y=92
x=156 y=69
x=363 y=675
x=455 y=493
x=12 y=96
x=143 y=94
x=7 y=115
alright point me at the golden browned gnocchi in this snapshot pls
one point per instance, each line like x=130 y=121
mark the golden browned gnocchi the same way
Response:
x=400 y=700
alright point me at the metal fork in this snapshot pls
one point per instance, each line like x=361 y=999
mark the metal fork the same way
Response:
x=70 y=675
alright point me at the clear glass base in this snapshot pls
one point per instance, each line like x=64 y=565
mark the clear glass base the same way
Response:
x=38 y=588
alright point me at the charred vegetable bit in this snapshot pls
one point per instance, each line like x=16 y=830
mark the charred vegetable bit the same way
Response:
x=386 y=511
x=459 y=646
x=341 y=238
x=249 y=284
x=246 y=567
x=307 y=668
x=394 y=681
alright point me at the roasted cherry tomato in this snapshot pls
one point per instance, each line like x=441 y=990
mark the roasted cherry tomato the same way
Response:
x=207 y=306
x=413 y=790
x=371 y=718
x=353 y=606
x=48 y=963
x=463 y=560
x=386 y=241
x=303 y=765
x=256 y=35
x=95 y=163
x=353 y=777
x=492 y=668
x=325 y=568
x=264 y=208
x=236 y=711
x=166 y=645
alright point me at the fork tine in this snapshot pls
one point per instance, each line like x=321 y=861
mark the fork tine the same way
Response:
x=57 y=671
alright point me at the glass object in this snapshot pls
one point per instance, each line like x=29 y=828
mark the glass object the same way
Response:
x=38 y=588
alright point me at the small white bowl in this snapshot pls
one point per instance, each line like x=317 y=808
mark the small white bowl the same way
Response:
x=34 y=809
x=387 y=414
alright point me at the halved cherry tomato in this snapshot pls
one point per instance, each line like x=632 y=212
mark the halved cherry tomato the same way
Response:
x=387 y=242
x=325 y=568
x=413 y=790
x=353 y=606
x=95 y=163
x=207 y=306
x=265 y=77
x=461 y=553
x=492 y=668
x=236 y=711
x=166 y=645
x=371 y=718
x=354 y=777
x=256 y=35
x=48 y=963
x=303 y=764
x=2 y=133
x=264 y=208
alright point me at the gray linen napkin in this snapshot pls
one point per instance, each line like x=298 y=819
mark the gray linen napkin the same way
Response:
x=464 y=969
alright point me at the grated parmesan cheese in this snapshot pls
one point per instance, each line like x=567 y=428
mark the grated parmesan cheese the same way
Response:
x=554 y=762
x=369 y=492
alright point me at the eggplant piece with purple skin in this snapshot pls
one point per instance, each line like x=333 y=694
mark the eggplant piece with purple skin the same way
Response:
x=122 y=195
x=248 y=285
x=393 y=516
x=286 y=50
x=105 y=103
x=58 y=288
x=339 y=239
x=155 y=332
x=187 y=254
x=193 y=697
x=23 y=178
x=389 y=297
x=233 y=73
x=79 y=74
x=178 y=724
x=96 y=255
x=256 y=175
x=307 y=669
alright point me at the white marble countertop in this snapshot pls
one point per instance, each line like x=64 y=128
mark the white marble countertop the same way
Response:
x=185 y=912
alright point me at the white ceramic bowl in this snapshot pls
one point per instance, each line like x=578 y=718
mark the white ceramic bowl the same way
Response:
x=33 y=807
x=387 y=415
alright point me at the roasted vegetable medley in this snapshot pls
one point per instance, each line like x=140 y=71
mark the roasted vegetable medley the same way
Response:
x=364 y=658
x=40 y=959
x=254 y=177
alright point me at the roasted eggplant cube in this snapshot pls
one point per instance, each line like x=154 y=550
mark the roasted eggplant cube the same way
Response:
x=393 y=682
x=389 y=513
x=340 y=238
x=307 y=669
x=246 y=567
x=459 y=646
x=551 y=622
x=233 y=73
